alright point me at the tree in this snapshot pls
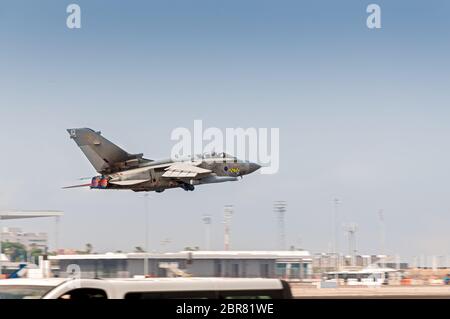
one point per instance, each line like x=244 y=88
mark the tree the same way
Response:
x=89 y=248
x=14 y=251
x=138 y=249
x=35 y=252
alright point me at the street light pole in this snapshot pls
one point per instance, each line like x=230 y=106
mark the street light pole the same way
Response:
x=336 y=202
x=1 y=238
x=146 y=246
x=382 y=236
x=56 y=234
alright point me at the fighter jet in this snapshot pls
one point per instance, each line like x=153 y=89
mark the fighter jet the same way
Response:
x=119 y=169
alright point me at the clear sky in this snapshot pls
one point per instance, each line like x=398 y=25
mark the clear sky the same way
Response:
x=363 y=115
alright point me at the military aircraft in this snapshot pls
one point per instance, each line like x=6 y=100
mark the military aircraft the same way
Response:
x=119 y=169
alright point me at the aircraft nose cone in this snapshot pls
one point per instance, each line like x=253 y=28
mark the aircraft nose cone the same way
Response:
x=252 y=167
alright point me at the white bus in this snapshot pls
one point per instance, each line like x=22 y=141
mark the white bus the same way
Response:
x=368 y=276
x=147 y=288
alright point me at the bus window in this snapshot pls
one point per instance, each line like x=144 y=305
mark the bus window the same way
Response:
x=251 y=294
x=170 y=295
x=283 y=293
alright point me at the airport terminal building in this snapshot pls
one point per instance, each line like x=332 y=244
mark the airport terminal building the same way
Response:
x=293 y=265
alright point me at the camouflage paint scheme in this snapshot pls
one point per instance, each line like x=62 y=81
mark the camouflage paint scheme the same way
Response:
x=119 y=169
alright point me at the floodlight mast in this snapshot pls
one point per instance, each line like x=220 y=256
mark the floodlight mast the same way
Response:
x=207 y=221
x=227 y=214
x=279 y=208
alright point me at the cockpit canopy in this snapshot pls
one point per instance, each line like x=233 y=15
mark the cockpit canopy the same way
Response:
x=214 y=155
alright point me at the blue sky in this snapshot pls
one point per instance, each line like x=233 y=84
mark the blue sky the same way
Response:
x=363 y=115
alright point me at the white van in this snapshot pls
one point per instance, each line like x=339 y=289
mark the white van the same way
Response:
x=148 y=288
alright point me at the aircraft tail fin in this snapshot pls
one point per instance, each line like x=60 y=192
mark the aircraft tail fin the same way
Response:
x=105 y=156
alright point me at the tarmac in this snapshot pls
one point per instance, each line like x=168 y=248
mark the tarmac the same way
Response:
x=381 y=292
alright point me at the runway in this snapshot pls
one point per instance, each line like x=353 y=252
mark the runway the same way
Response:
x=383 y=292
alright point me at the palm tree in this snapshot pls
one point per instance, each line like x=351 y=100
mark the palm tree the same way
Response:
x=138 y=249
x=35 y=252
x=88 y=248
